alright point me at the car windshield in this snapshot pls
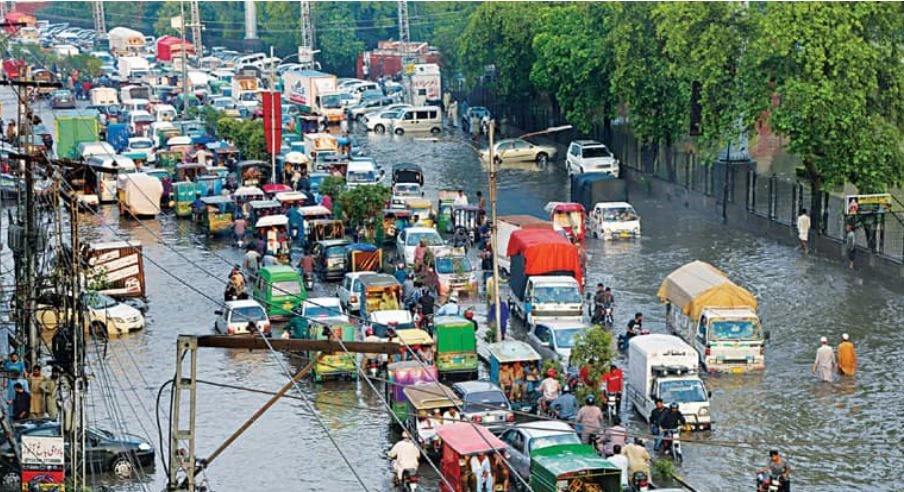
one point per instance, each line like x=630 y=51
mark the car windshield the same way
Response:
x=485 y=401
x=100 y=301
x=360 y=176
x=735 y=330
x=429 y=238
x=620 y=214
x=222 y=103
x=248 y=96
x=286 y=288
x=392 y=115
x=248 y=313
x=140 y=144
x=407 y=189
x=566 y=338
x=142 y=118
x=321 y=311
x=335 y=252
x=592 y=152
x=559 y=294
x=331 y=102
x=458 y=264
x=547 y=441
x=682 y=391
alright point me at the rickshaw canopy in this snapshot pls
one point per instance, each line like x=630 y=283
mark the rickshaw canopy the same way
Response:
x=509 y=351
x=414 y=336
x=406 y=172
x=291 y=197
x=367 y=247
x=427 y=396
x=699 y=285
x=274 y=188
x=272 y=221
x=563 y=207
x=297 y=158
x=216 y=200
x=315 y=211
x=248 y=191
x=264 y=204
x=467 y=438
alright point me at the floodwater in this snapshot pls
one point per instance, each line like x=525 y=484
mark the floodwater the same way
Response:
x=841 y=436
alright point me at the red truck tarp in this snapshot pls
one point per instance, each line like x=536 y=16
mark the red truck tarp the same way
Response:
x=545 y=251
x=167 y=45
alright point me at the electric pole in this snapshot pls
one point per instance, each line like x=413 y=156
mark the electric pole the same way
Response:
x=493 y=235
x=250 y=24
x=100 y=24
x=196 y=29
x=404 y=33
x=3 y=9
x=306 y=49
x=184 y=61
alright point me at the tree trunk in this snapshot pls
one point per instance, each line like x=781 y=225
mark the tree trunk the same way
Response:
x=670 y=162
x=815 y=197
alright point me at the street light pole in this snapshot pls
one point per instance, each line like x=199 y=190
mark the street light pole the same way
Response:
x=273 y=121
x=493 y=235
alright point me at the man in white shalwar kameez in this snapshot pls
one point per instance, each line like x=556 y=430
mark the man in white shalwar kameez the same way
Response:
x=824 y=365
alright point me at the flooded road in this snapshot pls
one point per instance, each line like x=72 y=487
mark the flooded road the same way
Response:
x=834 y=436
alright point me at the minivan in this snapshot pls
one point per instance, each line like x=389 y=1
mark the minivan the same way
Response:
x=419 y=119
x=280 y=290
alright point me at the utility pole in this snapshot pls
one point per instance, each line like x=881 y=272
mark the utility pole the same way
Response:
x=196 y=29
x=250 y=24
x=404 y=32
x=184 y=61
x=3 y=9
x=306 y=49
x=100 y=24
x=493 y=235
x=274 y=100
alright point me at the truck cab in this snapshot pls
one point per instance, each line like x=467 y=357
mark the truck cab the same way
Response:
x=729 y=340
x=551 y=298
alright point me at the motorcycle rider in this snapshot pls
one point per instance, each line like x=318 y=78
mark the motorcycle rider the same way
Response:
x=589 y=418
x=614 y=381
x=635 y=327
x=405 y=456
x=370 y=337
x=549 y=390
x=598 y=303
x=566 y=404
x=615 y=436
x=638 y=457
x=672 y=420
x=450 y=308
x=777 y=467
x=654 y=422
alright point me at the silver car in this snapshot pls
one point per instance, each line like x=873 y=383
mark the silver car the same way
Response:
x=524 y=438
x=485 y=404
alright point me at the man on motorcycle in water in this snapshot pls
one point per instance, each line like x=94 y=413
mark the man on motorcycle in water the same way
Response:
x=615 y=436
x=638 y=457
x=777 y=467
x=405 y=456
x=589 y=419
x=549 y=390
x=370 y=337
x=655 y=415
x=614 y=382
x=566 y=404
x=671 y=420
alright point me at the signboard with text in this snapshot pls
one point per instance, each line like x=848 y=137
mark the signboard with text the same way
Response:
x=879 y=203
x=43 y=463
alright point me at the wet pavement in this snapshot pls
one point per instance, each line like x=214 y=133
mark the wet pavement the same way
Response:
x=835 y=436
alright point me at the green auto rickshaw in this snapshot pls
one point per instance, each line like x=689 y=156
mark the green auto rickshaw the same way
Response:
x=218 y=215
x=280 y=289
x=572 y=467
x=456 y=347
x=444 y=211
x=336 y=365
x=184 y=193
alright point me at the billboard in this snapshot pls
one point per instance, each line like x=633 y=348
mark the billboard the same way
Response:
x=879 y=203
x=43 y=462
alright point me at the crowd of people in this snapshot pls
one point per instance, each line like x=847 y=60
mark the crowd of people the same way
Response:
x=30 y=395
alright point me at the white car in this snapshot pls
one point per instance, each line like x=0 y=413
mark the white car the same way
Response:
x=590 y=156
x=527 y=437
x=614 y=220
x=233 y=319
x=408 y=239
x=139 y=145
x=347 y=291
x=326 y=310
x=401 y=192
x=103 y=314
x=380 y=320
x=554 y=339
x=379 y=121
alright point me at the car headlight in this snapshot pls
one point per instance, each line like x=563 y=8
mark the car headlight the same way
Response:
x=703 y=412
x=144 y=447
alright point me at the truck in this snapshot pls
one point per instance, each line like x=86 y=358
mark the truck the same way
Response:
x=123 y=40
x=716 y=316
x=314 y=92
x=546 y=277
x=104 y=96
x=508 y=224
x=133 y=67
x=245 y=89
x=74 y=127
x=426 y=85
x=663 y=366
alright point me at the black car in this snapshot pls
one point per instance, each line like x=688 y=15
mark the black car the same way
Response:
x=106 y=452
x=62 y=99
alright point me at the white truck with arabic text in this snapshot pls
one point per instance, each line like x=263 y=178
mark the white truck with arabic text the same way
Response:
x=315 y=93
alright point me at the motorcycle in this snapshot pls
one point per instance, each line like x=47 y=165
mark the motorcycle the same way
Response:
x=640 y=482
x=409 y=480
x=602 y=315
x=625 y=338
x=308 y=281
x=373 y=367
x=671 y=444
x=768 y=483
x=613 y=403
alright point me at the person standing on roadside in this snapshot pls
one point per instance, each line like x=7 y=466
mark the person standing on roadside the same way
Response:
x=847 y=356
x=824 y=365
x=803 y=229
x=850 y=245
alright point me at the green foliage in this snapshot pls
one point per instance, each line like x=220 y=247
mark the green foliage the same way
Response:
x=248 y=136
x=574 y=61
x=664 y=469
x=332 y=186
x=596 y=342
x=362 y=203
x=167 y=11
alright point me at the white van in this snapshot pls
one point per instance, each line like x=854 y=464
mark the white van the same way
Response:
x=164 y=112
x=362 y=172
x=251 y=59
x=614 y=220
x=419 y=119
x=107 y=168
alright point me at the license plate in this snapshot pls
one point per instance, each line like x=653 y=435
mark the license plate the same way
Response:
x=457 y=360
x=287 y=306
x=737 y=370
x=623 y=234
x=688 y=427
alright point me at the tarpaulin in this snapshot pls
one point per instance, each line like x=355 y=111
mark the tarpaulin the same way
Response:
x=699 y=285
x=544 y=251
x=272 y=120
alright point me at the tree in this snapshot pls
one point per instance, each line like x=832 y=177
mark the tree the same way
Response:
x=595 y=342
x=573 y=61
x=837 y=69
x=337 y=38
x=501 y=34
x=362 y=203
x=332 y=186
x=642 y=79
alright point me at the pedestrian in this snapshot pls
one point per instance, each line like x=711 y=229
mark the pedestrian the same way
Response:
x=36 y=389
x=847 y=356
x=21 y=402
x=803 y=229
x=620 y=461
x=824 y=365
x=461 y=199
x=850 y=244
x=50 y=388
x=481 y=202
x=503 y=314
x=11 y=132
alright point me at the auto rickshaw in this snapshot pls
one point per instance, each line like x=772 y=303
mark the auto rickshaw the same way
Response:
x=290 y=199
x=456 y=274
x=168 y=159
x=210 y=184
x=444 y=210
x=466 y=217
x=338 y=364
x=378 y=292
x=423 y=210
x=405 y=172
x=525 y=365
x=572 y=467
x=394 y=222
x=295 y=161
x=218 y=214
x=184 y=194
x=280 y=290
x=190 y=172
x=456 y=347
x=263 y=208
x=568 y=217
x=252 y=173
x=273 y=229
x=364 y=257
x=227 y=156
x=271 y=190
x=324 y=229
x=460 y=442
x=247 y=194
x=402 y=374
x=330 y=258
x=423 y=401
x=315 y=212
